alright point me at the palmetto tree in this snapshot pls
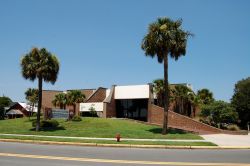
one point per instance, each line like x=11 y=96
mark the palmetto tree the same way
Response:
x=42 y=65
x=195 y=102
x=74 y=97
x=165 y=37
x=60 y=100
x=185 y=99
x=32 y=96
x=205 y=96
x=158 y=87
x=182 y=95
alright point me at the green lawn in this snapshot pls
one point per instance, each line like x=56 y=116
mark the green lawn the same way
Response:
x=168 y=143
x=94 y=127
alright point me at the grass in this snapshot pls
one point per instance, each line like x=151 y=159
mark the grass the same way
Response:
x=94 y=127
x=170 y=143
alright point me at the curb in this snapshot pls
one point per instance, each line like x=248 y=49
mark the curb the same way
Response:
x=122 y=145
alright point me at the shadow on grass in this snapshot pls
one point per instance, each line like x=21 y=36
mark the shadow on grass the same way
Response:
x=49 y=129
x=30 y=120
x=170 y=131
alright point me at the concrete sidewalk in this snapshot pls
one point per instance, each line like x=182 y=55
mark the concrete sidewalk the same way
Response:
x=111 y=139
x=228 y=140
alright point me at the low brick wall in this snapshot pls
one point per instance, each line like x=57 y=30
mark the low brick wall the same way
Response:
x=182 y=122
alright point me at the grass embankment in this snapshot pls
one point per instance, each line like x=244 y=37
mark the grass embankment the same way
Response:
x=98 y=127
x=94 y=127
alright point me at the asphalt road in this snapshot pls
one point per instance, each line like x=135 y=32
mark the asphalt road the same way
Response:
x=20 y=154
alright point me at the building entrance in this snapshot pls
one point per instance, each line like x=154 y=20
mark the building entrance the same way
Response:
x=132 y=108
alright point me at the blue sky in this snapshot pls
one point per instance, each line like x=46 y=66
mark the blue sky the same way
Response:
x=98 y=42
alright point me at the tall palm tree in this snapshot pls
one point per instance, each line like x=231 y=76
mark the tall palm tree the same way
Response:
x=32 y=96
x=42 y=65
x=60 y=100
x=74 y=97
x=165 y=38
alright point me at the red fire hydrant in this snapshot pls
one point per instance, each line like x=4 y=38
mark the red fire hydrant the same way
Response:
x=118 y=137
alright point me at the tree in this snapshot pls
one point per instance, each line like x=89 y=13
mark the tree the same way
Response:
x=205 y=96
x=4 y=102
x=218 y=112
x=158 y=87
x=92 y=111
x=74 y=97
x=183 y=97
x=41 y=65
x=165 y=37
x=60 y=100
x=241 y=101
x=32 y=96
x=195 y=102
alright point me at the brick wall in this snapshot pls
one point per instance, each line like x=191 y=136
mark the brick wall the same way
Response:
x=87 y=92
x=109 y=109
x=178 y=121
x=47 y=97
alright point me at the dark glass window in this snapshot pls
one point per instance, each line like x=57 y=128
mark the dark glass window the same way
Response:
x=132 y=108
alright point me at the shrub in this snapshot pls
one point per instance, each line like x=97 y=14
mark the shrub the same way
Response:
x=92 y=112
x=233 y=127
x=219 y=112
x=76 y=118
x=47 y=123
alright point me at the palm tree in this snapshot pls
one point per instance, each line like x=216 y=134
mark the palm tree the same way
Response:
x=60 y=100
x=74 y=97
x=165 y=37
x=158 y=87
x=32 y=96
x=195 y=102
x=182 y=96
x=42 y=65
x=205 y=96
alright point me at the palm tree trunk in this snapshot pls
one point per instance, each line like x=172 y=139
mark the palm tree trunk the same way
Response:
x=33 y=105
x=182 y=106
x=74 y=107
x=166 y=95
x=40 y=86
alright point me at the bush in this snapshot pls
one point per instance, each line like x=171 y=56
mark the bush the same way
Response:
x=47 y=123
x=233 y=127
x=92 y=112
x=219 y=112
x=76 y=118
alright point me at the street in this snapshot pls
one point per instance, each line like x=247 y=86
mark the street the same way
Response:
x=20 y=154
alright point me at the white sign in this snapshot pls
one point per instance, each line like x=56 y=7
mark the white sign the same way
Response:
x=84 y=107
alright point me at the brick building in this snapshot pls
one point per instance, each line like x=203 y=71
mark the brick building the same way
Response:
x=131 y=101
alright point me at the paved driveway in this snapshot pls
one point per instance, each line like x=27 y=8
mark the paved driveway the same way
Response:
x=228 y=140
